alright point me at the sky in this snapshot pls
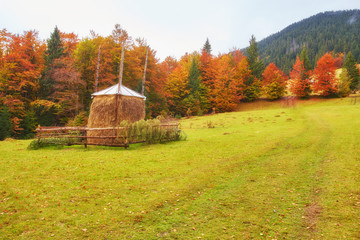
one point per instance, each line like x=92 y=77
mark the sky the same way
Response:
x=171 y=28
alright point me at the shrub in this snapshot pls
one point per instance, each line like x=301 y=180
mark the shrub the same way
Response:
x=47 y=142
x=45 y=112
x=210 y=124
x=5 y=123
x=79 y=120
x=28 y=126
x=151 y=131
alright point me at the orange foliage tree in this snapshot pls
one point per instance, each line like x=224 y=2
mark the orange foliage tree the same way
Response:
x=274 y=82
x=324 y=76
x=21 y=64
x=300 y=84
x=176 y=87
x=228 y=88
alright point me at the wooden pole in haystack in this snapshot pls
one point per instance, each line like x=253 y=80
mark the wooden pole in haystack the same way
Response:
x=120 y=83
x=143 y=81
x=97 y=69
x=121 y=67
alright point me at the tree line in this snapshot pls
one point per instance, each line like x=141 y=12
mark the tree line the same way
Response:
x=50 y=83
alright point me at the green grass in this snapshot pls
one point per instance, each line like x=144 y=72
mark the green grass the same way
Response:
x=272 y=173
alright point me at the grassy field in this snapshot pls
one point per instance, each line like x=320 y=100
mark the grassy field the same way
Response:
x=268 y=173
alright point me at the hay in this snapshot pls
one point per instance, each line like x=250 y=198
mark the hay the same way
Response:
x=103 y=114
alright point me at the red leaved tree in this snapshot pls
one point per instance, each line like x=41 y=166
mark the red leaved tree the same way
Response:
x=274 y=82
x=300 y=84
x=229 y=82
x=21 y=64
x=325 y=83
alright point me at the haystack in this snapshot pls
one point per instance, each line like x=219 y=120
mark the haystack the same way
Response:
x=109 y=108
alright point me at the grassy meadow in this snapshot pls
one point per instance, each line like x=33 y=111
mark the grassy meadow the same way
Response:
x=265 y=172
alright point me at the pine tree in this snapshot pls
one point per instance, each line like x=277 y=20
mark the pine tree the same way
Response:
x=5 y=123
x=54 y=51
x=353 y=72
x=196 y=100
x=256 y=65
x=304 y=57
x=55 y=48
x=252 y=84
x=207 y=47
x=194 y=77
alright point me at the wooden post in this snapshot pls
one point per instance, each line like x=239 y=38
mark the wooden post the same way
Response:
x=126 y=138
x=121 y=67
x=97 y=69
x=143 y=81
x=39 y=133
x=117 y=98
x=85 y=139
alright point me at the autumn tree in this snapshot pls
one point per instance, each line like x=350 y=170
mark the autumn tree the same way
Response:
x=20 y=68
x=325 y=83
x=274 y=82
x=300 y=84
x=186 y=93
x=339 y=58
x=67 y=84
x=154 y=78
x=135 y=62
x=68 y=88
x=176 y=89
x=207 y=68
x=231 y=73
x=85 y=57
x=344 y=84
x=353 y=72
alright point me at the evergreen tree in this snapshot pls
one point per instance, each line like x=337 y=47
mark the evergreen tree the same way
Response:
x=5 y=123
x=194 y=77
x=353 y=72
x=54 y=51
x=55 y=48
x=207 y=47
x=304 y=57
x=256 y=65
x=196 y=101
x=252 y=84
x=28 y=126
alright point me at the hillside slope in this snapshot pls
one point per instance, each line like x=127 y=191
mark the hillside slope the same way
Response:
x=330 y=31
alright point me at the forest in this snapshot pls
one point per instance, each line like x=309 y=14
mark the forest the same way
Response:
x=50 y=83
x=334 y=31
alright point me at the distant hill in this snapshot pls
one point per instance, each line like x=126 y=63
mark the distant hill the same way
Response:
x=329 y=31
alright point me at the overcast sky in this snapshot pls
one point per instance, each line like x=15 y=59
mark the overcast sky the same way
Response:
x=172 y=28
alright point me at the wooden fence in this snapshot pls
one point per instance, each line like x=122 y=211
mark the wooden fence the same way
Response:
x=119 y=136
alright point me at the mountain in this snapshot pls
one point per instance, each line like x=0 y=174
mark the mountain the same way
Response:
x=329 y=31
